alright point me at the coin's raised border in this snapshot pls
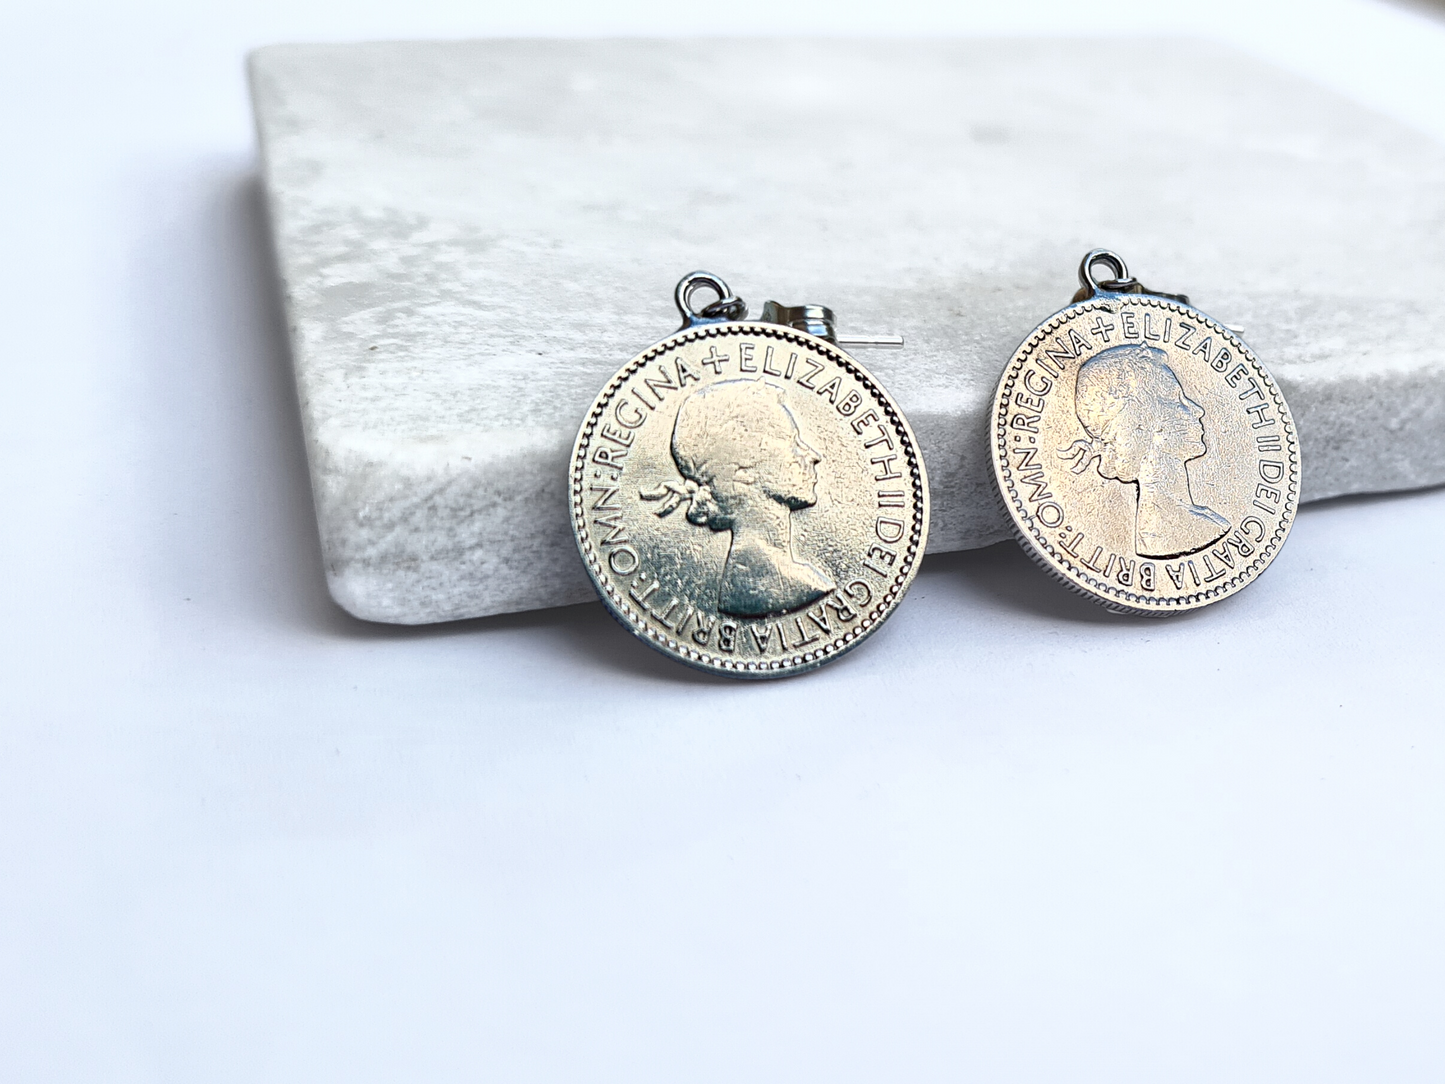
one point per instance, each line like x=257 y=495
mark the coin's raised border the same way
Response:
x=615 y=600
x=1032 y=536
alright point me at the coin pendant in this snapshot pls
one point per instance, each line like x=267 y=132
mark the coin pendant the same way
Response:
x=1146 y=457
x=748 y=500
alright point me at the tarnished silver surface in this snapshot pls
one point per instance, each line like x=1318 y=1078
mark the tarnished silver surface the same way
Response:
x=745 y=496
x=1146 y=457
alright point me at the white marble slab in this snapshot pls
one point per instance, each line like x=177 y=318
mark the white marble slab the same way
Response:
x=473 y=236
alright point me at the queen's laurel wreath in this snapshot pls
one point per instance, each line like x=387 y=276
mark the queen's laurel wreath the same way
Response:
x=702 y=508
x=1082 y=452
x=671 y=495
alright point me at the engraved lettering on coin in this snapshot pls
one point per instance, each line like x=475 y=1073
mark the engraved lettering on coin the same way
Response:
x=1143 y=430
x=1194 y=455
x=746 y=470
x=748 y=499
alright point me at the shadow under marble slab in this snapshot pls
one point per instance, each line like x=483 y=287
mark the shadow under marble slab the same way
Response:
x=473 y=236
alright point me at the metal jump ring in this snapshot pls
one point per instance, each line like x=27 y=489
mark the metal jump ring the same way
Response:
x=728 y=306
x=1121 y=280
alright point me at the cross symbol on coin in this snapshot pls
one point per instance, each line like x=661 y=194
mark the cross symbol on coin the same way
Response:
x=1103 y=328
x=715 y=359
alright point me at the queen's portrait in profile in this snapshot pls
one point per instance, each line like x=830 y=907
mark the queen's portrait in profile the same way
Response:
x=1143 y=429
x=746 y=469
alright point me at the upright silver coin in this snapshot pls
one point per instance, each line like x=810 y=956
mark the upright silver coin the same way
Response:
x=1146 y=457
x=748 y=499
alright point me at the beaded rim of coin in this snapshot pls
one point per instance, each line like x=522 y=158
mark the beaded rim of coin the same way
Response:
x=1062 y=566
x=881 y=607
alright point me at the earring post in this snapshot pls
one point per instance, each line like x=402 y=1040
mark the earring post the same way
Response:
x=893 y=341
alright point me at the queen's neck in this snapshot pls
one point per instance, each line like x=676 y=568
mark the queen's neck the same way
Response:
x=764 y=525
x=1168 y=520
x=1166 y=479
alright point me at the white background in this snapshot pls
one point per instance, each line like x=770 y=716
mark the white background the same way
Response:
x=246 y=838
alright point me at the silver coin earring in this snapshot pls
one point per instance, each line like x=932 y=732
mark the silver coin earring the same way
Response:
x=1145 y=455
x=746 y=497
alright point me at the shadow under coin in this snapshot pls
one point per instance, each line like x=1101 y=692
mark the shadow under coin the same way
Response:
x=1003 y=574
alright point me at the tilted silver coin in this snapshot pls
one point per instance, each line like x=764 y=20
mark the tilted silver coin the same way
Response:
x=1146 y=457
x=745 y=496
